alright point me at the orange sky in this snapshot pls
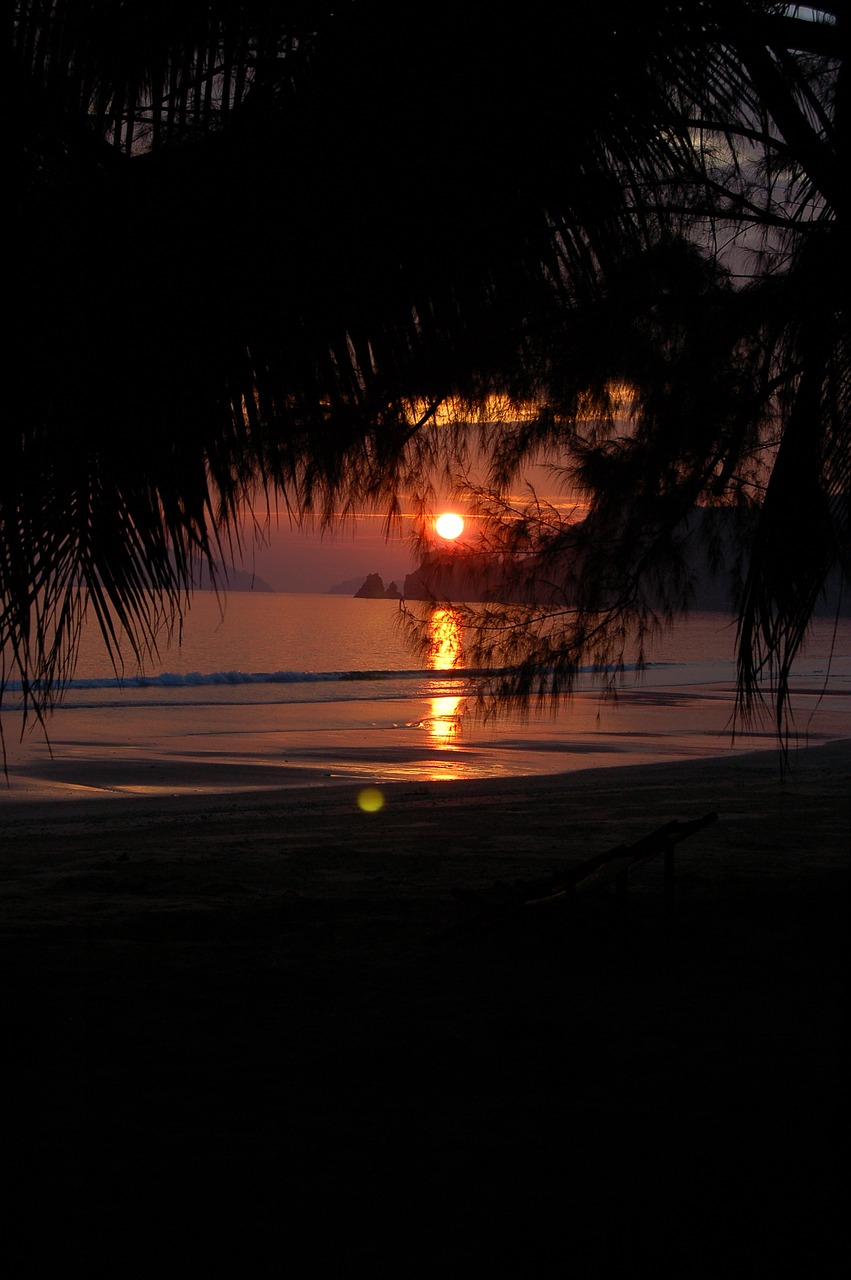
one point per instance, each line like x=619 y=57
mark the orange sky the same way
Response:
x=308 y=559
x=311 y=560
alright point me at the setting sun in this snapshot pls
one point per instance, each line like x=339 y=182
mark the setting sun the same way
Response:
x=449 y=525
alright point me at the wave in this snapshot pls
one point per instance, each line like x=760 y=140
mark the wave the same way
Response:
x=195 y=679
x=198 y=679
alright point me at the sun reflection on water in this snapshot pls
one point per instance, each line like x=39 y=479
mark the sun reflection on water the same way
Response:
x=443 y=725
x=445 y=653
x=444 y=635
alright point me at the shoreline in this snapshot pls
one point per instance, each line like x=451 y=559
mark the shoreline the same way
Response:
x=156 y=752
x=766 y=765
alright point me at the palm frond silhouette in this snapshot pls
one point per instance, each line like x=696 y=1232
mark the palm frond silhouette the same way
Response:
x=252 y=252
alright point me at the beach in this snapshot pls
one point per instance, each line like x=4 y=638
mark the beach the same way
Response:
x=254 y=1030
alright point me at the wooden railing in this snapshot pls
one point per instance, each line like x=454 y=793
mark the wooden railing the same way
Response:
x=507 y=902
x=616 y=864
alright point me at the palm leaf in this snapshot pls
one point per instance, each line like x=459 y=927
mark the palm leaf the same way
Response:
x=248 y=242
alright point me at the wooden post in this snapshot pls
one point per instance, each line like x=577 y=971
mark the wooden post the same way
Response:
x=669 y=871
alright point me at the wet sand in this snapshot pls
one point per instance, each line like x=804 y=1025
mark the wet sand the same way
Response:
x=263 y=1031
x=225 y=745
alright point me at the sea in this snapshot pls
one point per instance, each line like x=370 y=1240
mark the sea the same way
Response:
x=261 y=690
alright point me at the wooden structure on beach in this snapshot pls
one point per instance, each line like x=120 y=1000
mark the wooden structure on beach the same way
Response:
x=607 y=870
x=616 y=864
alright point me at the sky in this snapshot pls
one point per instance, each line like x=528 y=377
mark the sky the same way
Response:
x=310 y=560
x=316 y=560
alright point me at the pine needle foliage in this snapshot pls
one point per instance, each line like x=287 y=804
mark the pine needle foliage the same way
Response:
x=255 y=249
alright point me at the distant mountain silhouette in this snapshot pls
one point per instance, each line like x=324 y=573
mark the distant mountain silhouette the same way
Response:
x=347 y=588
x=374 y=589
x=226 y=579
x=711 y=542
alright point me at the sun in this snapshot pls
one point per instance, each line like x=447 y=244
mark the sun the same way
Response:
x=449 y=525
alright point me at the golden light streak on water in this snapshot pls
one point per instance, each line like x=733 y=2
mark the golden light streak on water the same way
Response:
x=444 y=640
x=444 y=724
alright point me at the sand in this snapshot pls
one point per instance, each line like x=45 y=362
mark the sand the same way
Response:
x=268 y=1032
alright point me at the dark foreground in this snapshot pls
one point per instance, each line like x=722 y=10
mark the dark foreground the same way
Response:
x=263 y=1034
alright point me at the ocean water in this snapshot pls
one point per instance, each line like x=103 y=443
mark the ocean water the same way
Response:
x=277 y=689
